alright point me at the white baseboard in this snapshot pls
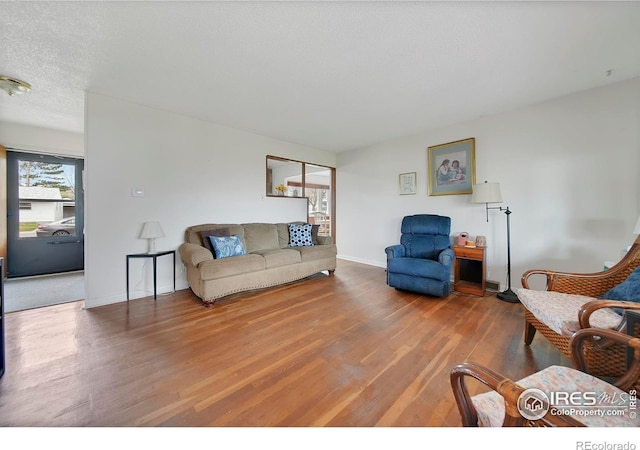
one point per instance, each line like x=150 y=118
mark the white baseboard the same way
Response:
x=362 y=261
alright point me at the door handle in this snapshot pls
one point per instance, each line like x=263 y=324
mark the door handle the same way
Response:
x=63 y=242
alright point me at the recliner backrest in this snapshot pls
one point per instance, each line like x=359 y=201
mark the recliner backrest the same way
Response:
x=425 y=235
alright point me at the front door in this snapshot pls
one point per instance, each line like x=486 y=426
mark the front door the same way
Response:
x=45 y=208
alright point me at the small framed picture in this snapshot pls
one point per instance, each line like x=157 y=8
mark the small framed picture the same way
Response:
x=407 y=183
x=452 y=167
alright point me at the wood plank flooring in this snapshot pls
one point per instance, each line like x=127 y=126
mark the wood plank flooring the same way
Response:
x=336 y=351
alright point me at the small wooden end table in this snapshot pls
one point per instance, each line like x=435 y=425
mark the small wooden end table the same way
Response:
x=469 y=270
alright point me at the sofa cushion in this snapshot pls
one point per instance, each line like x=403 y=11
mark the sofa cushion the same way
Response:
x=300 y=235
x=227 y=267
x=316 y=252
x=279 y=257
x=226 y=246
x=416 y=267
x=204 y=234
x=559 y=311
x=192 y=234
x=283 y=233
x=314 y=233
x=260 y=236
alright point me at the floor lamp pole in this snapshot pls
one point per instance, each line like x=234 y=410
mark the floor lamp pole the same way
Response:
x=508 y=295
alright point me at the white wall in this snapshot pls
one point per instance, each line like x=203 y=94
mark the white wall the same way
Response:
x=41 y=140
x=568 y=170
x=191 y=171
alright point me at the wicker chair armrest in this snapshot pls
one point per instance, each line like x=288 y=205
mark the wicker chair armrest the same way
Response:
x=457 y=376
x=507 y=388
x=581 y=337
x=587 y=310
x=529 y=273
x=589 y=284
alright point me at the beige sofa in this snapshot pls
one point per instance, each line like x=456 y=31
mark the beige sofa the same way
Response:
x=269 y=260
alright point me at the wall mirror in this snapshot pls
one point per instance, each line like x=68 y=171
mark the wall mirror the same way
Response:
x=284 y=177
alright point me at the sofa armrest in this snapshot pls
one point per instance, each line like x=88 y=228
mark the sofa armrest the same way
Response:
x=395 y=251
x=325 y=240
x=194 y=254
x=446 y=257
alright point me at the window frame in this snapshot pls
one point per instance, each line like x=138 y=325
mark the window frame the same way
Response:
x=269 y=187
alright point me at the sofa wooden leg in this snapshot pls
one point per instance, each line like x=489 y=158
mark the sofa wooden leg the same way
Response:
x=331 y=271
x=529 y=333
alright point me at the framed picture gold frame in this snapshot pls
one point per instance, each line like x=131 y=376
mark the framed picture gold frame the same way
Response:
x=407 y=183
x=452 y=167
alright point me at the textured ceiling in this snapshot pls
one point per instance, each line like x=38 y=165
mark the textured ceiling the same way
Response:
x=331 y=75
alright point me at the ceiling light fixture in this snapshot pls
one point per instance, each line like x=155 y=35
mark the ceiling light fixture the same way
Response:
x=13 y=86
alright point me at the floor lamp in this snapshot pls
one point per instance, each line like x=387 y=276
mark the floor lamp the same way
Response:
x=490 y=193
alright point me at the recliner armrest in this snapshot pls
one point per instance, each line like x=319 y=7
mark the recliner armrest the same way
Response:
x=446 y=257
x=395 y=251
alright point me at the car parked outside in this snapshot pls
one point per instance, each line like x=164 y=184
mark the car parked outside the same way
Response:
x=59 y=228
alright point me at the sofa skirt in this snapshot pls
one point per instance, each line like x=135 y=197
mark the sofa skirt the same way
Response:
x=211 y=290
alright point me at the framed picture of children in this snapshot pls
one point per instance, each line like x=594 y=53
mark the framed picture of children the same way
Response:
x=452 y=167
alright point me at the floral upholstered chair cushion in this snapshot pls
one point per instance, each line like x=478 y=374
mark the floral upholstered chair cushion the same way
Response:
x=612 y=408
x=559 y=311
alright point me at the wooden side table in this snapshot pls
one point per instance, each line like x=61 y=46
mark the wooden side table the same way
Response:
x=469 y=270
x=154 y=256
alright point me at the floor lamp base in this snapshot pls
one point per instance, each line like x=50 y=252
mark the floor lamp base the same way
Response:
x=508 y=296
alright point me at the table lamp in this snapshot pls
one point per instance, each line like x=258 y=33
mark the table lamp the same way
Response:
x=151 y=231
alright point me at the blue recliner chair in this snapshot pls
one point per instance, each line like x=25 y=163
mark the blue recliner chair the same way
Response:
x=422 y=261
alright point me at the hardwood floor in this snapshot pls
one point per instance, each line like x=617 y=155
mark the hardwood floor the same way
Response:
x=344 y=350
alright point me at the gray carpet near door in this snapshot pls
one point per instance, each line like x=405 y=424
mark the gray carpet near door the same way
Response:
x=34 y=292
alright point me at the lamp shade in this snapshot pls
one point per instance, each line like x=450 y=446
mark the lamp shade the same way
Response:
x=636 y=230
x=151 y=230
x=486 y=193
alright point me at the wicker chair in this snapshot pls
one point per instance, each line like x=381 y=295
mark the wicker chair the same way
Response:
x=603 y=358
x=506 y=404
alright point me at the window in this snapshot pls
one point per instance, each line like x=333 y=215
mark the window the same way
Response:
x=46 y=198
x=289 y=178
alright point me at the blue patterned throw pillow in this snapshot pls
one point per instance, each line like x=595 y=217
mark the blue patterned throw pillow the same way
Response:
x=300 y=235
x=227 y=246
